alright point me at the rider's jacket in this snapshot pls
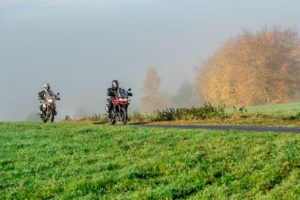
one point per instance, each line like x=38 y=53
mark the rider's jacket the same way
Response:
x=43 y=94
x=111 y=92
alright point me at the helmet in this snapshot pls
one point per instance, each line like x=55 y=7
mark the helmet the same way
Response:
x=115 y=84
x=46 y=86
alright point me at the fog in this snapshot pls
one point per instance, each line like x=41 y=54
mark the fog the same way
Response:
x=79 y=47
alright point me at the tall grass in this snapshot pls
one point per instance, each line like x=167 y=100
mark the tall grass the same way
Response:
x=275 y=110
x=207 y=111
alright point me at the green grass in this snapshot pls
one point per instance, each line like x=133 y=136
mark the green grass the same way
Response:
x=82 y=161
x=280 y=109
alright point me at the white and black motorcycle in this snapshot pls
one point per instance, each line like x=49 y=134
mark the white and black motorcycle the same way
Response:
x=48 y=107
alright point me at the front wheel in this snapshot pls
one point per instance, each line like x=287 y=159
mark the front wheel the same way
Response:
x=52 y=116
x=44 y=117
x=123 y=116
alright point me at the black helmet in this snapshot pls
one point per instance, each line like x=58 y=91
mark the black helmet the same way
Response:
x=115 y=84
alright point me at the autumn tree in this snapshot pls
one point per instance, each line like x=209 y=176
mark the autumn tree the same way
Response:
x=253 y=69
x=152 y=99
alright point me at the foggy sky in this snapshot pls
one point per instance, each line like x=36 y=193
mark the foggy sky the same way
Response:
x=79 y=47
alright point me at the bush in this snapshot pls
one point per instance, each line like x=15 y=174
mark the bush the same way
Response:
x=289 y=117
x=67 y=118
x=207 y=111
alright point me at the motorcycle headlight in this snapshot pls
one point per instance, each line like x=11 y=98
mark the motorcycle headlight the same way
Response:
x=51 y=101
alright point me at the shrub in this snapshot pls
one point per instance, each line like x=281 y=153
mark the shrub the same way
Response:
x=207 y=111
x=67 y=118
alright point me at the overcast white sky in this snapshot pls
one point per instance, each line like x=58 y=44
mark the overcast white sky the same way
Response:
x=80 y=46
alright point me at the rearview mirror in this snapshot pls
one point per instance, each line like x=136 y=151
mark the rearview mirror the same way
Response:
x=129 y=89
x=58 y=93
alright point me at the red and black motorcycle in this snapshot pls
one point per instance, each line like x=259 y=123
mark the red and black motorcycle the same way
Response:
x=120 y=107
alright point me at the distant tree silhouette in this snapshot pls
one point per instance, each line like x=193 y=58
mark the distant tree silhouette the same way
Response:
x=152 y=99
x=184 y=97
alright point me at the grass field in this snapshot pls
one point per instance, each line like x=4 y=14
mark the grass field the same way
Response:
x=280 y=109
x=83 y=161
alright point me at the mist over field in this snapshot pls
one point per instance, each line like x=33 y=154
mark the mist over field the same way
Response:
x=79 y=47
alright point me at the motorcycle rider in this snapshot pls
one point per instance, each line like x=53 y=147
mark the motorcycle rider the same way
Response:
x=112 y=92
x=42 y=96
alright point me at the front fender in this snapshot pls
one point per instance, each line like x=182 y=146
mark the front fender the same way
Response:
x=44 y=107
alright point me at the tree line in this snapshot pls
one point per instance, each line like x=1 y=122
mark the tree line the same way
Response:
x=250 y=69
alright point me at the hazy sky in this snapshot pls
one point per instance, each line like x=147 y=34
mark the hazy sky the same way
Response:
x=80 y=46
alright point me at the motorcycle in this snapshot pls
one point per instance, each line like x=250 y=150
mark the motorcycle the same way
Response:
x=48 y=108
x=120 y=107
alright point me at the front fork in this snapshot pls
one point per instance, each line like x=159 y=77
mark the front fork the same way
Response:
x=45 y=108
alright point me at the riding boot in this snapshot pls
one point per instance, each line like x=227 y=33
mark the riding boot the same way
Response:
x=54 y=108
x=108 y=114
x=108 y=108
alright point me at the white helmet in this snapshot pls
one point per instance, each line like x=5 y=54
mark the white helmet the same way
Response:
x=46 y=86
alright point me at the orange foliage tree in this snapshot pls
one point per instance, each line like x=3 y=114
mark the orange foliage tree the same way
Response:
x=253 y=69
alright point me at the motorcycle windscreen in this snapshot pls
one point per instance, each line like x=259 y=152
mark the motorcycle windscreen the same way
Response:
x=49 y=95
x=122 y=93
